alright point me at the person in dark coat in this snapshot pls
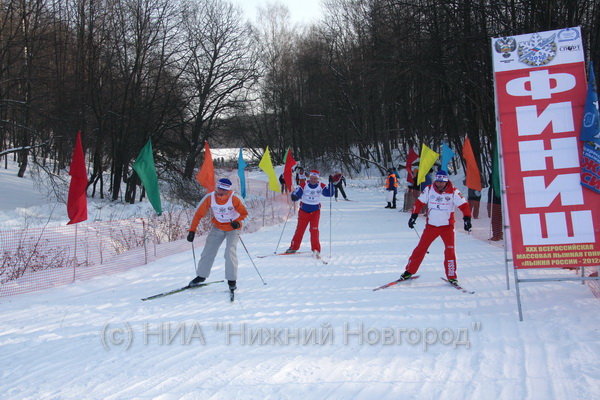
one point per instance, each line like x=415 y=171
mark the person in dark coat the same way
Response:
x=494 y=210
x=282 y=183
x=339 y=181
x=391 y=187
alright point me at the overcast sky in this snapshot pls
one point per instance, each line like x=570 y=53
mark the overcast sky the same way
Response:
x=301 y=11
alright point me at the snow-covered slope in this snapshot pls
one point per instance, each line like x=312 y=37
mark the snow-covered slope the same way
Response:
x=313 y=331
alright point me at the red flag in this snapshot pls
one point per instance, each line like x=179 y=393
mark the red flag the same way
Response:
x=410 y=159
x=77 y=202
x=206 y=175
x=287 y=169
x=473 y=177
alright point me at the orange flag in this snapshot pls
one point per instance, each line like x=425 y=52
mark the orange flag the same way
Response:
x=206 y=175
x=473 y=177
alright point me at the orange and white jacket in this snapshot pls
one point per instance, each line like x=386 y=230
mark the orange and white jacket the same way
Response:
x=207 y=204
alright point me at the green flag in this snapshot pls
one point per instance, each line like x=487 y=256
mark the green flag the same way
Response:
x=496 y=172
x=144 y=166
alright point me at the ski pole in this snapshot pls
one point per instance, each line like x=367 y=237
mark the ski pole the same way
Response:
x=330 y=201
x=252 y=261
x=417 y=232
x=419 y=236
x=194 y=254
x=284 y=224
x=192 y=243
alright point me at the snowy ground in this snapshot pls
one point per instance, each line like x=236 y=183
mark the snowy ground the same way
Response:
x=313 y=331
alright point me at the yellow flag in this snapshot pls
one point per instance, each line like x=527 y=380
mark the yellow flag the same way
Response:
x=267 y=166
x=427 y=159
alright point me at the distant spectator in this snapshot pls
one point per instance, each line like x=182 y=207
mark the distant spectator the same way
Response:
x=339 y=181
x=494 y=210
x=412 y=192
x=284 y=188
x=428 y=181
x=391 y=187
x=300 y=176
x=474 y=199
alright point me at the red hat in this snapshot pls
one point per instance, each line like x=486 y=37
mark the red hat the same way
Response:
x=314 y=172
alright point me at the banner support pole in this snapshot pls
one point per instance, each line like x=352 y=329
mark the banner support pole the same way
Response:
x=518 y=290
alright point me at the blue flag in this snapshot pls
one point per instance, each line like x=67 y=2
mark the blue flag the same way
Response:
x=590 y=134
x=241 y=166
x=447 y=155
x=590 y=127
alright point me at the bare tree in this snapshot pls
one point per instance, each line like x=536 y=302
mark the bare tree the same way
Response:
x=136 y=61
x=276 y=38
x=376 y=77
x=219 y=72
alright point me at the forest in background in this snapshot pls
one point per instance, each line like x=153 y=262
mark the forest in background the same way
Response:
x=369 y=81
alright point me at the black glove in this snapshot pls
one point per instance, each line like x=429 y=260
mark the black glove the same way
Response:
x=191 y=235
x=412 y=220
x=330 y=178
x=468 y=225
x=295 y=198
x=235 y=224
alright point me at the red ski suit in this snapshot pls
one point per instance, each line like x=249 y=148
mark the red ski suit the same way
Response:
x=440 y=222
x=310 y=212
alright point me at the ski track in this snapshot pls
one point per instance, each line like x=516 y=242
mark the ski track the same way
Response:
x=52 y=341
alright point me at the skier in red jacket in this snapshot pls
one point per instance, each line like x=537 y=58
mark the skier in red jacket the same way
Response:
x=441 y=197
x=309 y=193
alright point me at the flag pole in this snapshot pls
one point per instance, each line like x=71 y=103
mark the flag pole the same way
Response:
x=75 y=255
x=330 y=206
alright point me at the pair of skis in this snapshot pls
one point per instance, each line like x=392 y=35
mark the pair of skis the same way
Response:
x=317 y=256
x=170 y=292
x=282 y=254
x=393 y=283
x=455 y=285
x=231 y=292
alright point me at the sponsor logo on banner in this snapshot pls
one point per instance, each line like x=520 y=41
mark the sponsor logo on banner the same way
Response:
x=569 y=48
x=567 y=35
x=552 y=221
x=537 y=50
x=505 y=46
